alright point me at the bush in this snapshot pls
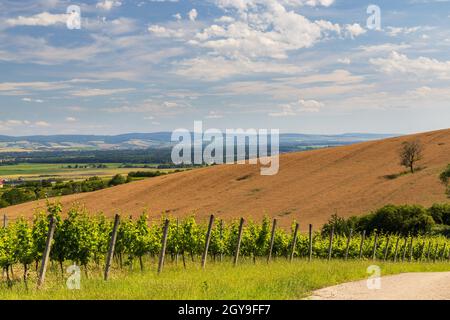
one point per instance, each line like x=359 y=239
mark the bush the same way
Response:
x=405 y=220
x=17 y=195
x=145 y=174
x=3 y=203
x=117 y=180
x=445 y=175
x=341 y=225
x=440 y=213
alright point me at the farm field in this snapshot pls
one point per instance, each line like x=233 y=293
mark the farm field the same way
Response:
x=310 y=186
x=33 y=171
x=279 y=280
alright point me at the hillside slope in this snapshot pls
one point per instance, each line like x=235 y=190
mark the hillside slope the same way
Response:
x=310 y=186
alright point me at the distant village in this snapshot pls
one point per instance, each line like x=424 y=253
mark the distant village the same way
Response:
x=11 y=182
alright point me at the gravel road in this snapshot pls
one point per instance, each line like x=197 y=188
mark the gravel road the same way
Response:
x=406 y=286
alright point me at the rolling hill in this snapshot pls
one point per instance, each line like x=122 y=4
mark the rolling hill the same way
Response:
x=140 y=141
x=311 y=185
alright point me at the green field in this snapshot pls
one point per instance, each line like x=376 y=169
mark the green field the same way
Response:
x=279 y=280
x=31 y=171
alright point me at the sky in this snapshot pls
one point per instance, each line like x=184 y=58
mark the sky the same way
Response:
x=300 y=66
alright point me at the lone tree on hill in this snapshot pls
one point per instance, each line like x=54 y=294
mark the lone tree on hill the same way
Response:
x=410 y=153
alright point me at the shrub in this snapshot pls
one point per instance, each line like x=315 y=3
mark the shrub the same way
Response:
x=341 y=225
x=440 y=213
x=17 y=195
x=445 y=175
x=405 y=219
x=117 y=180
x=145 y=174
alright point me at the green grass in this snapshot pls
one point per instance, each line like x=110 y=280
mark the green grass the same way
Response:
x=279 y=280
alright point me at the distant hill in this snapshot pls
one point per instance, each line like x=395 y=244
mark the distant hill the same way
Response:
x=310 y=186
x=133 y=141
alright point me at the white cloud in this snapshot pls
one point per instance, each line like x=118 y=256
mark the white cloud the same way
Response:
x=71 y=119
x=345 y=61
x=40 y=19
x=25 y=88
x=107 y=5
x=243 y=4
x=151 y=107
x=310 y=105
x=395 y=31
x=421 y=67
x=32 y=100
x=257 y=28
x=286 y=111
x=262 y=28
x=224 y=19
x=300 y=106
x=164 y=32
x=114 y=27
x=214 y=115
x=354 y=30
x=384 y=47
x=216 y=68
x=249 y=36
x=339 y=77
x=42 y=124
x=100 y=92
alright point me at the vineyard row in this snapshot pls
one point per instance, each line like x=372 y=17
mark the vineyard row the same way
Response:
x=83 y=239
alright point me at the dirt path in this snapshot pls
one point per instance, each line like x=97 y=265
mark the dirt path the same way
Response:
x=407 y=286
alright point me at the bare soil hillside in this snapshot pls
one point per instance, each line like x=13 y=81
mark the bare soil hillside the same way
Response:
x=309 y=187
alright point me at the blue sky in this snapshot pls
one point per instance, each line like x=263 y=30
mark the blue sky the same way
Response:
x=310 y=66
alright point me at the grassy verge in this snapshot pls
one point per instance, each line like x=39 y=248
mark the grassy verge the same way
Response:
x=279 y=280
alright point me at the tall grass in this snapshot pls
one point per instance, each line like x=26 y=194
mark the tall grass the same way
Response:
x=279 y=280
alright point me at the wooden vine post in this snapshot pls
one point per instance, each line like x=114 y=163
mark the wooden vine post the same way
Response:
x=363 y=237
x=348 y=244
x=375 y=242
x=330 y=246
x=112 y=246
x=294 y=241
x=272 y=240
x=207 y=241
x=46 y=255
x=405 y=248
x=178 y=236
x=238 y=245
x=411 y=250
x=423 y=251
x=396 y=249
x=221 y=238
x=435 y=252
x=310 y=253
x=443 y=251
x=163 y=246
x=5 y=221
x=428 y=251
x=386 y=250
